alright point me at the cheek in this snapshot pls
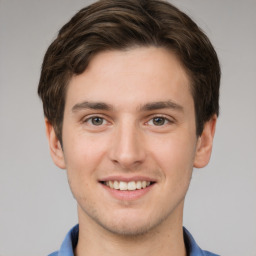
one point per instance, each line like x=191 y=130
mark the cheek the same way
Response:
x=82 y=156
x=83 y=150
x=175 y=155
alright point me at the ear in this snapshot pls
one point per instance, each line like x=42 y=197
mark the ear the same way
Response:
x=55 y=146
x=204 y=143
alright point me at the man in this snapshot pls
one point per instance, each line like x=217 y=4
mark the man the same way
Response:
x=130 y=94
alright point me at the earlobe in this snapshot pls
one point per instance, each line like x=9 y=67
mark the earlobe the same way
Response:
x=55 y=146
x=204 y=144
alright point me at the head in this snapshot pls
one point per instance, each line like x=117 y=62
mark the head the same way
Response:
x=130 y=95
x=122 y=25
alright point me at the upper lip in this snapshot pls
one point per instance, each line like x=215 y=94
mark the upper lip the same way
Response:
x=127 y=179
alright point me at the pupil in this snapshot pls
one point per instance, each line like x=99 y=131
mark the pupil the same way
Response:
x=158 y=121
x=97 y=121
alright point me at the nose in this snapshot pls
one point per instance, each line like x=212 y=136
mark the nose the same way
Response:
x=128 y=147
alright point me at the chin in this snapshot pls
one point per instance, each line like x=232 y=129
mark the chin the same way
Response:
x=128 y=229
x=133 y=227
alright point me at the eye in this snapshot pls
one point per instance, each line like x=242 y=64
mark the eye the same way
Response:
x=96 y=121
x=158 y=121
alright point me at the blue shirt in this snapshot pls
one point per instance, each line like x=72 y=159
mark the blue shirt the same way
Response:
x=71 y=240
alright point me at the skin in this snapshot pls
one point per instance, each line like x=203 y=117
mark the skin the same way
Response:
x=131 y=137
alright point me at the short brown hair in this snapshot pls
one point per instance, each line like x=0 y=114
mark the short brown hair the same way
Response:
x=120 y=24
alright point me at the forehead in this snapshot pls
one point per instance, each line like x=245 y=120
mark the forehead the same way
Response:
x=138 y=75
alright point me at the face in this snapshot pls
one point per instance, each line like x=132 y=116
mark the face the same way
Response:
x=129 y=140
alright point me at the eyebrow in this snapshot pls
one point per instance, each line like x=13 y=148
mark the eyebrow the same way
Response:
x=91 y=105
x=147 y=107
x=161 y=105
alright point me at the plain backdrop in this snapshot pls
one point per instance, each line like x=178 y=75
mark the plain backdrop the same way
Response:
x=36 y=206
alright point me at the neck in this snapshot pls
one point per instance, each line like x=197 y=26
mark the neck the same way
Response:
x=165 y=239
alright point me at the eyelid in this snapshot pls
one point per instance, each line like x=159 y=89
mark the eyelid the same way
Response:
x=169 y=119
x=91 y=116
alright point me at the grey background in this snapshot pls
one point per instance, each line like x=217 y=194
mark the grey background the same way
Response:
x=36 y=207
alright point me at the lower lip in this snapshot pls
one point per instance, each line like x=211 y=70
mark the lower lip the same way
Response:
x=128 y=195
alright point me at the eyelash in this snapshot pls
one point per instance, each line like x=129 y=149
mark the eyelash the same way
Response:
x=167 y=121
x=90 y=119
x=163 y=118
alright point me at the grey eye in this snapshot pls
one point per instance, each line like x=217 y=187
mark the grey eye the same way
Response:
x=159 y=121
x=97 y=120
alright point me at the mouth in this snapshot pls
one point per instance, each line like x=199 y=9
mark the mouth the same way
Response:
x=127 y=186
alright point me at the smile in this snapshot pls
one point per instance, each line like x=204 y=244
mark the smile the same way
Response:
x=131 y=185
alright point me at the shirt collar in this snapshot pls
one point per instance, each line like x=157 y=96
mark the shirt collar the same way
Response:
x=71 y=240
x=192 y=248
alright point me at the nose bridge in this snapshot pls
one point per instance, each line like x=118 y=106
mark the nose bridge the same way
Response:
x=127 y=148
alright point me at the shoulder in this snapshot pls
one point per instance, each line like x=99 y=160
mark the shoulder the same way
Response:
x=192 y=247
x=54 y=254
x=206 y=253
x=68 y=244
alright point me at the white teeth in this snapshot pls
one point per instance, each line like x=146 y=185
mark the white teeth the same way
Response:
x=116 y=185
x=131 y=185
x=111 y=184
x=123 y=185
x=138 y=184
